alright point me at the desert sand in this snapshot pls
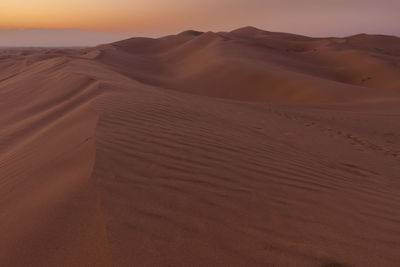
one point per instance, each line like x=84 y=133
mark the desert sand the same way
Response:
x=242 y=148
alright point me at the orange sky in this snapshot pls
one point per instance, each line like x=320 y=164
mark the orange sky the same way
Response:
x=116 y=15
x=160 y=17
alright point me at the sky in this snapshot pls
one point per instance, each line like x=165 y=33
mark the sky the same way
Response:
x=91 y=22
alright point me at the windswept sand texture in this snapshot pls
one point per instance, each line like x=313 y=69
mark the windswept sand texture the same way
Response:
x=247 y=148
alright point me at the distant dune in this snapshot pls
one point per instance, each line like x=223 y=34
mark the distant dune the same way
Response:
x=276 y=67
x=242 y=148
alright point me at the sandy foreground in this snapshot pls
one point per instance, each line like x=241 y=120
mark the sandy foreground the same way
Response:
x=247 y=148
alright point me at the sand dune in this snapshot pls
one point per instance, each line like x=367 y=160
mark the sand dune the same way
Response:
x=274 y=66
x=247 y=148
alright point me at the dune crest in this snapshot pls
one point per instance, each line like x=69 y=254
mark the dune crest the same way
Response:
x=242 y=148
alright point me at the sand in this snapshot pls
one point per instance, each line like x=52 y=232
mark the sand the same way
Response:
x=247 y=148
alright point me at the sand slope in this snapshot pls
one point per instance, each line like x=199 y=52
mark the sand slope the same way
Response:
x=247 y=148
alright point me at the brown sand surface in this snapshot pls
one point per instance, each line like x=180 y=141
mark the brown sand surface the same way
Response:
x=248 y=148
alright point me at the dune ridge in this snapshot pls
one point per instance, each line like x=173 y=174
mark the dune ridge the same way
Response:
x=247 y=148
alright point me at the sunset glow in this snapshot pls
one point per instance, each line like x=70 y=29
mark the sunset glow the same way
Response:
x=160 y=17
